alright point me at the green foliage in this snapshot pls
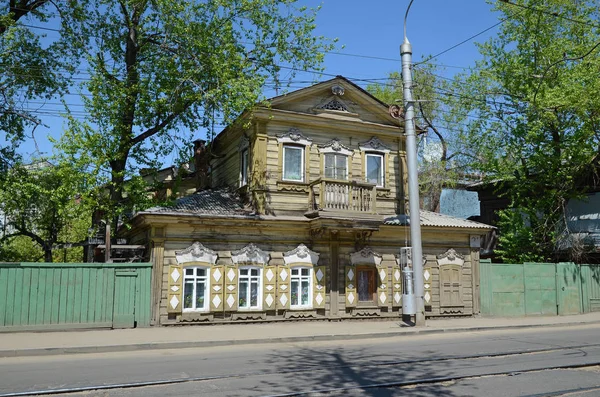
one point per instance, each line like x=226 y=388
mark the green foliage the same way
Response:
x=32 y=68
x=530 y=115
x=159 y=70
x=43 y=203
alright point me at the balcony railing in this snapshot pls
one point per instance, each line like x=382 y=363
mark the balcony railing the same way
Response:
x=336 y=195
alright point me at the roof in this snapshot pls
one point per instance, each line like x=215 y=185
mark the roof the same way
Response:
x=429 y=218
x=210 y=201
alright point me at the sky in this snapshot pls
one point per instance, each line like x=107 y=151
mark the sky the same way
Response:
x=369 y=35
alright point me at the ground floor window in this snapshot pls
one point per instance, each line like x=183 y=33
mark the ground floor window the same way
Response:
x=249 y=288
x=195 y=291
x=301 y=284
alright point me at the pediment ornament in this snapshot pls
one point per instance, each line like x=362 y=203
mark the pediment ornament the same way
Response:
x=196 y=253
x=250 y=254
x=338 y=90
x=301 y=254
x=374 y=144
x=450 y=257
x=293 y=135
x=366 y=256
x=335 y=146
x=335 y=104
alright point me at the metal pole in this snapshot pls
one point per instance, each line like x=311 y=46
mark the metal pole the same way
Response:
x=413 y=183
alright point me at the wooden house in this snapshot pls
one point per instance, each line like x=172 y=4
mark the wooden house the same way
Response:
x=301 y=214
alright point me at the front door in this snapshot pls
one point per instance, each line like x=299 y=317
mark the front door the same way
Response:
x=367 y=291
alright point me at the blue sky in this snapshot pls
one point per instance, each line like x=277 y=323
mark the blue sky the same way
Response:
x=366 y=31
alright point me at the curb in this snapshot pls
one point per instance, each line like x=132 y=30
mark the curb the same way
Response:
x=53 y=351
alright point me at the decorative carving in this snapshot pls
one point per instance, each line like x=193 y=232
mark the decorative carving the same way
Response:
x=250 y=254
x=317 y=233
x=374 y=144
x=335 y=146
x=396 y=111
x=196 y=318
x=248 y=316
x=338 y=90
x=385 y=193
x=196 y=253
x=294 y=136
x=450 y=257
x=301 y=254
x=361 y=239
x=336 y=105
x=292 y=187
x=451 y=310
x=366 y=256
x=366 y=312
x=300 y=314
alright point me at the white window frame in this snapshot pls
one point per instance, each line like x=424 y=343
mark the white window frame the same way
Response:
x=302 y=154
x=335 y=156
x=194 y=277
x=244 y=156
x=299 y=277
x=249 y=277
x=381 y=176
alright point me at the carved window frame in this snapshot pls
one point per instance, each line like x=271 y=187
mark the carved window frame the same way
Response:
x=453 y=261
x=195 y=257
x=299 y=258
x=375 y=147
x=194 y=277
x=336 y=148
x=294 y=139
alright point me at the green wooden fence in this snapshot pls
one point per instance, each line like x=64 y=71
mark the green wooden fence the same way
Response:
x=74 y=295
x=539 y=288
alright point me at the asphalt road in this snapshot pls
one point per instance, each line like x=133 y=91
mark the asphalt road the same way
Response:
x=534 y=362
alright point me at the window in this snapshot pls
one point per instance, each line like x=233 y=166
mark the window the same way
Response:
x=293 y=163
x=249 y=290
x=375 y=169
x=195 y=291
x=336 y=166
x=301 y=281
x=244 y=167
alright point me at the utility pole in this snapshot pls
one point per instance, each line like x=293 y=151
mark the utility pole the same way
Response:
x=413 y=183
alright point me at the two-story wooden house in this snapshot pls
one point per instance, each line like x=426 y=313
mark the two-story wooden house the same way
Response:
x=303 y=216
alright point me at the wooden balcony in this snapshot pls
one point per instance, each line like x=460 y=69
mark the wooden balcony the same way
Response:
x=343 y=196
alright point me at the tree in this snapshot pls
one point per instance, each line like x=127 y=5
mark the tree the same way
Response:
x=531 y=117
x=438 y=167
x=161 y=69
x=33 y=67
x=42 y=203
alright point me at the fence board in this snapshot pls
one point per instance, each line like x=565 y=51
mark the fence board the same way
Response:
x=60 y=295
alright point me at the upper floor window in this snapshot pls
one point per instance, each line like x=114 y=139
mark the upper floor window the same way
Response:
x=244 y=167
x=293 y=155
x=375 y=160
x=335 y=158
x=336 y=166
x=293 y=163
x=195 y=289
x=250 y=288
x=374 y=169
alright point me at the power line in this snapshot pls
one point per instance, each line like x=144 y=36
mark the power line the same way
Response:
x=551 y=13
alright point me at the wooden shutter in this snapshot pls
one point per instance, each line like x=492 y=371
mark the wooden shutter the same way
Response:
x=217 y=282
x=351 y=295
x=231 y=288
x=175 y=295
x=319 y=287
x=283 y=287
x=396 y=286
x=382 y=287
x=269 y=285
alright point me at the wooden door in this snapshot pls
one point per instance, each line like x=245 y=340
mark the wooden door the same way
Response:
x=366 y=284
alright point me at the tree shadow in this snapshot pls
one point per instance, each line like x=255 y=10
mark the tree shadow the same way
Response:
x=320 y=369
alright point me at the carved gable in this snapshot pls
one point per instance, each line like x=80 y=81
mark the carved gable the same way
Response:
x=366 y=256
x=250 y=254
x=301 y=254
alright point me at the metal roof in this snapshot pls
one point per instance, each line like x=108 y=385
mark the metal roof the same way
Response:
x=211 y=201
x=429 y=218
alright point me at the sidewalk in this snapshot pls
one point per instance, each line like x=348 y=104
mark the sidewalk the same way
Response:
x=98 y=341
